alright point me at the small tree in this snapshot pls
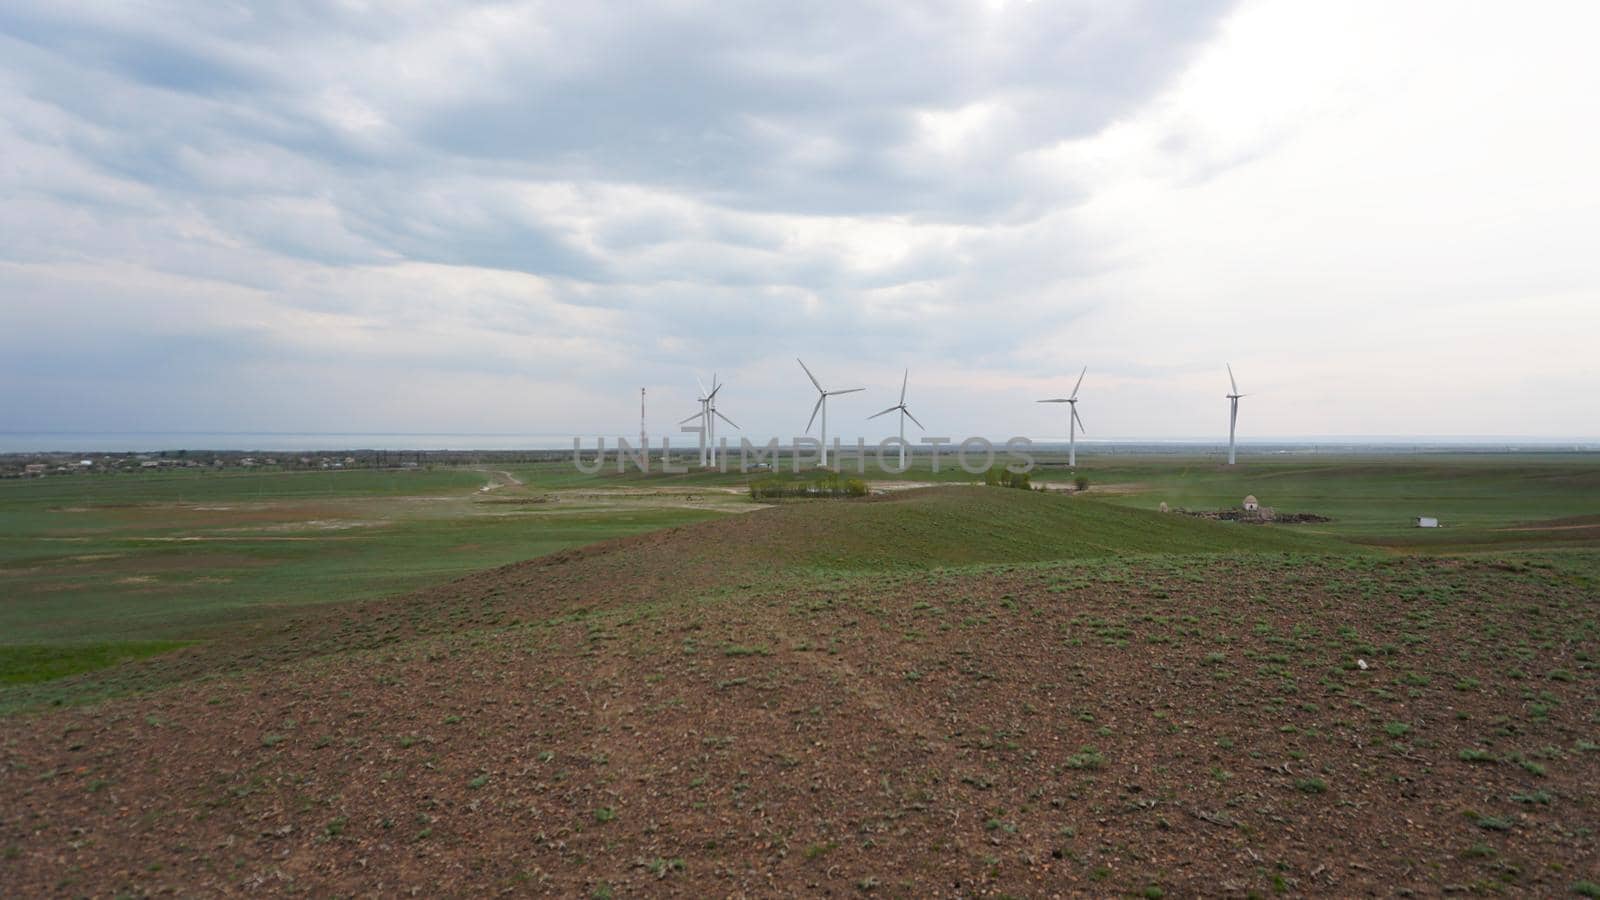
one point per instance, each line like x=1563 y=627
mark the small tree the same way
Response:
x=1081 y=483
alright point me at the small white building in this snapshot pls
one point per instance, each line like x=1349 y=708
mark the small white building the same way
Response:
x=1427 y=522
x=1250 y=503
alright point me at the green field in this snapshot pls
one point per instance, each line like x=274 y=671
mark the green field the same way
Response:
x=483 y=680
x=98 y=569
x=179 y=556
x=1480 y=498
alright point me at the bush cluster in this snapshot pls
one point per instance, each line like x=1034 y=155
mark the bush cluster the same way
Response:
x=831 y=484
x=1000 y=476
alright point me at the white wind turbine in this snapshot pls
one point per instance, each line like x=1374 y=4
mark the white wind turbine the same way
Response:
x=904 y=414
x=822 y=404
x=702 y=415
x=1233 y=411
x=708 y=416
x=1073 y=421
x=712 y=415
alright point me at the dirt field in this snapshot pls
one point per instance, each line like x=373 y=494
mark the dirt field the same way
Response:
x=674 y=714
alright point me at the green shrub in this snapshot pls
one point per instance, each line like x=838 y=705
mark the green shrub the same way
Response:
x=830 y=484
x=1000 y=476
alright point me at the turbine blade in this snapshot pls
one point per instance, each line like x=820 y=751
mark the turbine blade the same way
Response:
x=1056 y=400
x=714 y=390
x=808 y=373
x=884 y=413
x=726 y=419
x=1231 y=380
x=691 y=418
x=1080 y=382
x=903 y=379
x=846 y=391
x=1080 y=420
x=700 y=384
x=911 y=417
x=814 y=410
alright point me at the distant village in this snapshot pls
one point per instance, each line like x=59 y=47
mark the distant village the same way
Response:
x=60 y=464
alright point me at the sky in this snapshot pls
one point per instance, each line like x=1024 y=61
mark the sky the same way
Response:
x=509 y=217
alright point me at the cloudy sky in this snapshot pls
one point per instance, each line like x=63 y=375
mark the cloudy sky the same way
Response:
x=463 y=217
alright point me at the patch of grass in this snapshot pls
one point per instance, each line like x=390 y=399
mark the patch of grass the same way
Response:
x=1086 y=758
x=1490 y=823
x=35 y=663
x=741 y=650
x=817 y=851
x=660 y=866
x=1311 y=786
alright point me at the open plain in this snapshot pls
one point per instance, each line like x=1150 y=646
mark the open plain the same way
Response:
x=530 y=680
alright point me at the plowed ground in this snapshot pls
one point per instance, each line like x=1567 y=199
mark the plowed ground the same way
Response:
x=680 y=714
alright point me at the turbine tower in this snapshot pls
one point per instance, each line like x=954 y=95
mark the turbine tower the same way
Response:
x=1073 y=421
x=712 y=416
x=708 y=416
x=1233 y=412
x=703 y=415
x=822 y=405
x=904 y=414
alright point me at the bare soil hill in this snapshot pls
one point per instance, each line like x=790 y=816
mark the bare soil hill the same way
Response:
x=710 y=710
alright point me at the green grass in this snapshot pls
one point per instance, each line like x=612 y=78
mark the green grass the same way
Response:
x=34 y=663
x=95 y=569
x=954 y=527
x=1372 y=498
x=180 y=556
x=1376 y=498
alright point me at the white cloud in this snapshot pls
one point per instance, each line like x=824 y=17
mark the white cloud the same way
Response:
x=1382 y=215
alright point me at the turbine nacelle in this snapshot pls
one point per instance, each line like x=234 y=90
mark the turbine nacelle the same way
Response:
x=822 y=394
x=1073 y=399
x=901 y=406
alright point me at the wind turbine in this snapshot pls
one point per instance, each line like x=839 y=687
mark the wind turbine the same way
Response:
x=1233 y=411
x=712 y=416
x=708 y=416
x=1073 y=421
x=704 y=415
x=904 y=414
x=822 y=404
